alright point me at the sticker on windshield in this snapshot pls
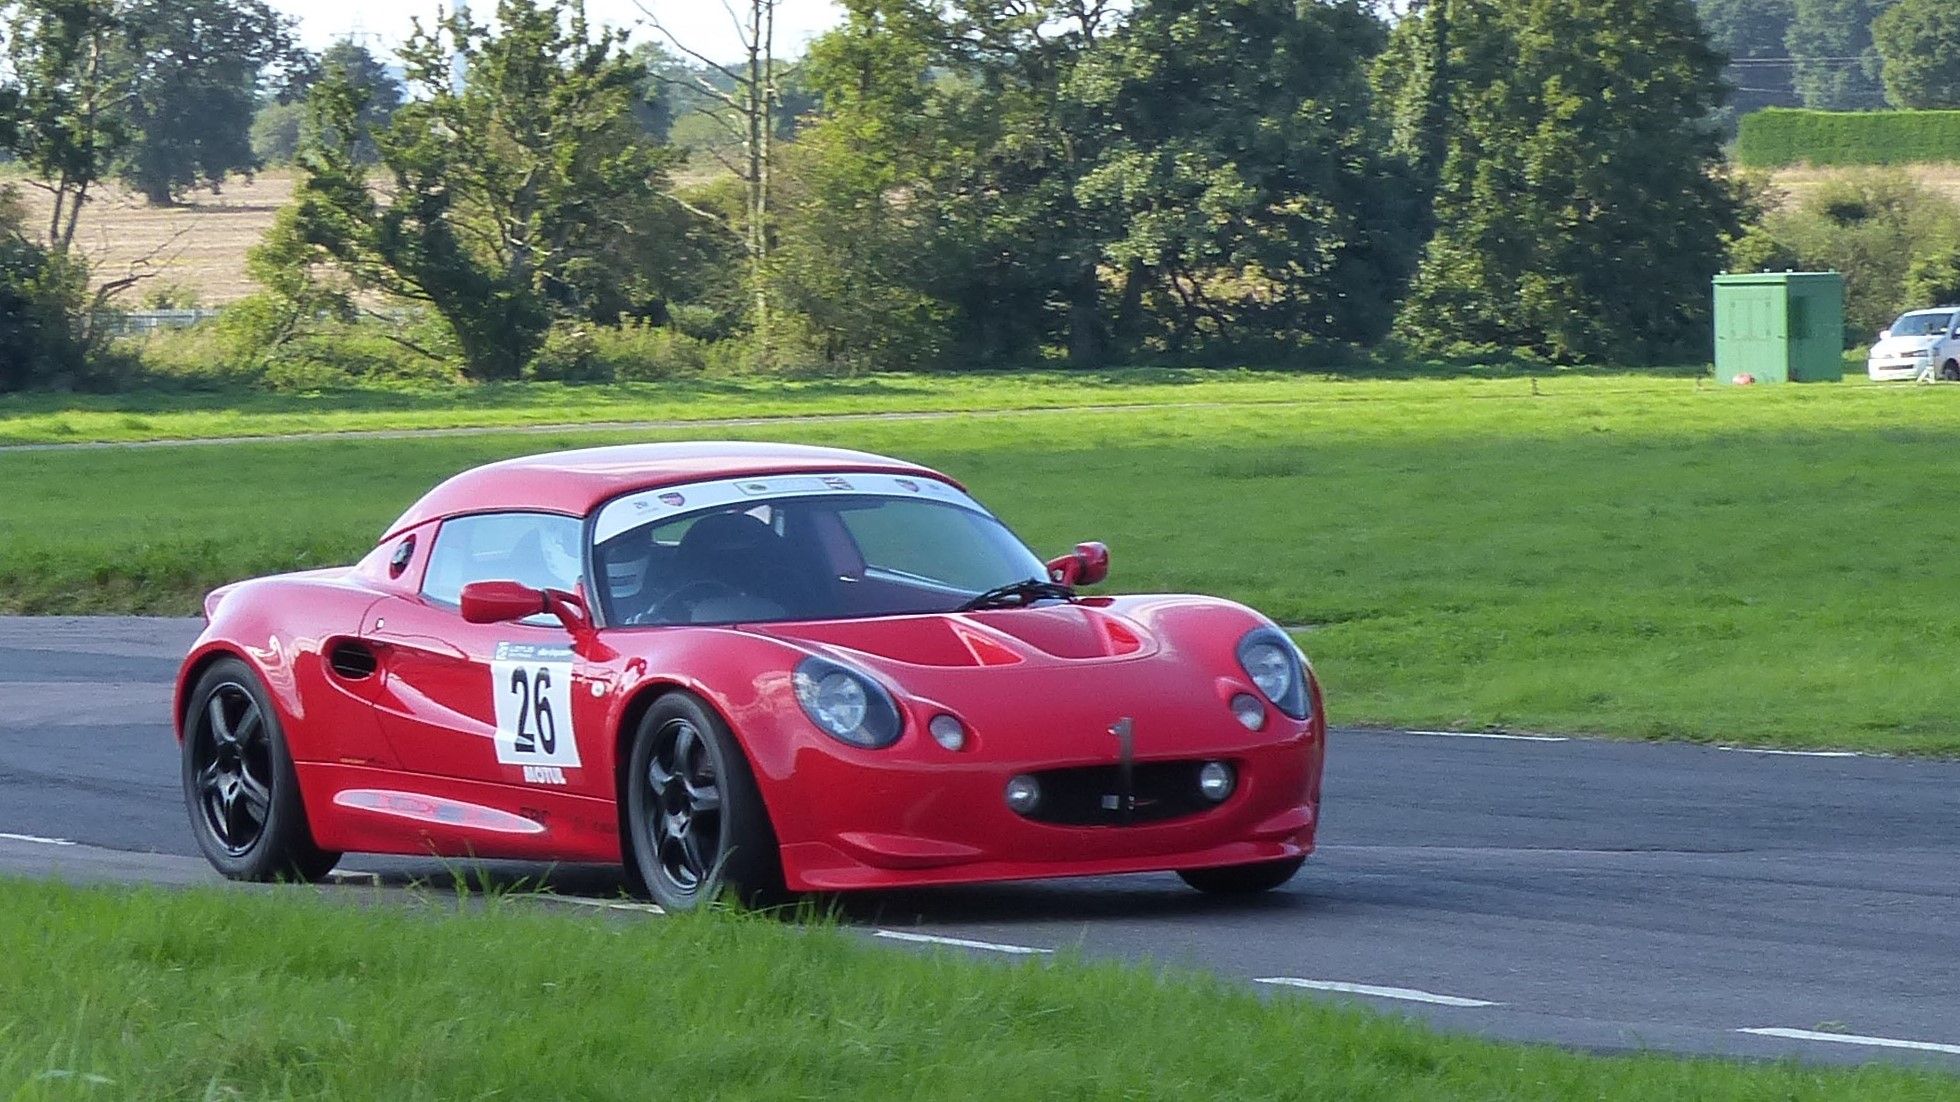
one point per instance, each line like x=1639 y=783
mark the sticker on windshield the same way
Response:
x=531 y=685
x=646 y=506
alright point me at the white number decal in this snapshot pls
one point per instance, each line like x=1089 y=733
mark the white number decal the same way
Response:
x=532 y=687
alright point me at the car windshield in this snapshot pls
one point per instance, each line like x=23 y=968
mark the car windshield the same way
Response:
x=823 y=556
x=1921 y=325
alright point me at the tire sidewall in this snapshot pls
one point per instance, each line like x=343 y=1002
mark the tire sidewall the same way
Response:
x=284 y=848
x=749 y=867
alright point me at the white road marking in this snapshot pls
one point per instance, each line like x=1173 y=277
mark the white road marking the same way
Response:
x=609 y=904
x=1491 y=735
x=1792 y=753
x=346 y=876
x=1406 y=994
x=962 y=943
x=1852 y=1039
x=36 y=839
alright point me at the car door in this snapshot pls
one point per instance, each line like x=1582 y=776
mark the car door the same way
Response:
x=488 y=703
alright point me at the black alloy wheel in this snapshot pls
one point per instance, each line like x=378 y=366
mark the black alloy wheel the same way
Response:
x=696 y=828
x=239 y=784
x=684 y=813
x=232 y=764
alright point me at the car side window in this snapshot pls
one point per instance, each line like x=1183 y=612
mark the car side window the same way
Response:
x=540 y=550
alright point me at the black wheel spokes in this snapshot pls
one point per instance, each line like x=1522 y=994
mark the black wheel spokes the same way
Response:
x=684 y=813
x=233 y=774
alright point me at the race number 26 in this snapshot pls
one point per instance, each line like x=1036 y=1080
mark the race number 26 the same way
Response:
x=534 y=712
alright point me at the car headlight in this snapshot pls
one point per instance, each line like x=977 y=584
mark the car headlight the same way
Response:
x=1271 y=661
x=847 y=705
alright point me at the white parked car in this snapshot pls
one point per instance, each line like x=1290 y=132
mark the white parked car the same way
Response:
x=1920 y=342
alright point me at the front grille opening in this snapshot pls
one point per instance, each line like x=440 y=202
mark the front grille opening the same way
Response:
x=351 y=660
x=1092 y=795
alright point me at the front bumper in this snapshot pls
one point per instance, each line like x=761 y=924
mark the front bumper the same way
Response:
x=1894 y=370
x=949 y=826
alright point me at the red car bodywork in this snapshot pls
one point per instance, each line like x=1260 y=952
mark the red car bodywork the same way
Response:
x=386 y=703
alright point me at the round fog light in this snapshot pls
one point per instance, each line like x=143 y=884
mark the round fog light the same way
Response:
x=947 y=732
x=1215 y=780
x=1249 y=711
x=1023 y=793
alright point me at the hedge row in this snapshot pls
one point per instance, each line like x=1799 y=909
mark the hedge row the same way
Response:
x=1778 y=136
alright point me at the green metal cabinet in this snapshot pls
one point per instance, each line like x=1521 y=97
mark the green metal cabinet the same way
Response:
x=1780 y=327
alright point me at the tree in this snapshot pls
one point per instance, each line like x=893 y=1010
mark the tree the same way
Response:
x=41 y=294
x=1837 y=66
x=1753 y=34
x=748 y=90
x=1240 y=191
x=1174 y=177
x=1933 y=278
x=379 y=92
x=69 y=122
x=528 y=193
x=1582 y=205
x=193 y=71
x=1920 y=42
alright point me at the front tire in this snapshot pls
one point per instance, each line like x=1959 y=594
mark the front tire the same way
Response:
x=239 y=784
x=1243 y=879
x=1950 y=371
x=696 y=826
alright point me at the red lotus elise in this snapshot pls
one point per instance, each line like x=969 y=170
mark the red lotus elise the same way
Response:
x=742 y=668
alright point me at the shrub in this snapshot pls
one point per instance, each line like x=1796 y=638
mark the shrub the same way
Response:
x=1868 y=225
x=1775 y=137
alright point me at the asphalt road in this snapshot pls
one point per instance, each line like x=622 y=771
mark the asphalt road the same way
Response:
x=1597 y=894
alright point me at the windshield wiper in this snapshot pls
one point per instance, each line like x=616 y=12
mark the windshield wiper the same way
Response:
x=1019 y=595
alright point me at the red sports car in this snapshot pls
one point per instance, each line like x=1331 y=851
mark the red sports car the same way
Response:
x=742 y=668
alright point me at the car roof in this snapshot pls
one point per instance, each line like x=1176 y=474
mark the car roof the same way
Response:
x=576 y=482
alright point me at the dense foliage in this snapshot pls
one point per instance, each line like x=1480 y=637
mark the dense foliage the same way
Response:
x=937 y=184
x=1196 y=178
x=1754 y=33
x=1893 y=240
x=1920 y=42
x=1773 y=138
x=193 y=71
x=1837 y=64
x=1581 y=206
x=530 y=191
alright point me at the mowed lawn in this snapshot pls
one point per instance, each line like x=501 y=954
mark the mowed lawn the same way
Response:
x=47 y=418
x=109 y=993
x=1630 y=557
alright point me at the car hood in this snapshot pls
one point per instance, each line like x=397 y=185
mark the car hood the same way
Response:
x=1048 y=683
x=1892 y=347
x=1040 y=637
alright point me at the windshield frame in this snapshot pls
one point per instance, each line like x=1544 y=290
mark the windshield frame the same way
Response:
x=713 y=494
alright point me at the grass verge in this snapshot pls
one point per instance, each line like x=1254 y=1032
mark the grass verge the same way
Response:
x=47 y=418
x=112 y=993
x=1638 y=559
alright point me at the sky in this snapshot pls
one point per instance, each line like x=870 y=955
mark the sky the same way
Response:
x=703 y=25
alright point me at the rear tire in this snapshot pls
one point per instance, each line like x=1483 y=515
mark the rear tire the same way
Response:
x=1243 y=879
x=239 y=784
x=695 y=823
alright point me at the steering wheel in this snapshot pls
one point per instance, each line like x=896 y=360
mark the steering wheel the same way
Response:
x=683 y=600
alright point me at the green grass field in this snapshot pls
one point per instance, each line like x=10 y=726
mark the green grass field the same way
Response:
x=1646 y=558
x=43 y=418
x=209 y=994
